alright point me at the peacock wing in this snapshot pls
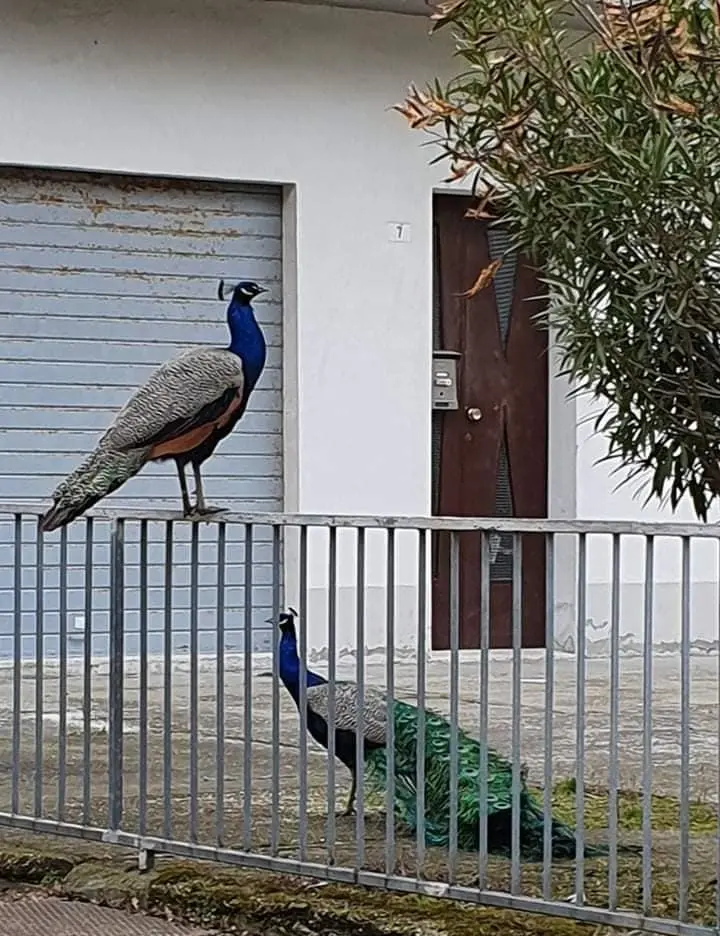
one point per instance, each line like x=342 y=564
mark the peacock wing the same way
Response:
x=346 y=708
x=189 y=391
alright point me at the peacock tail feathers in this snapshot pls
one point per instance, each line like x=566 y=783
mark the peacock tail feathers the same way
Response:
x=102 y=472
x=437 y=791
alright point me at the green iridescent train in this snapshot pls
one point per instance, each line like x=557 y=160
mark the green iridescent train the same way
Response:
x=437 y=792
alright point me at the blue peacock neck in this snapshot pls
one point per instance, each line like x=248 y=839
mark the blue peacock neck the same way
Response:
x=247 y=341
x=289 y=663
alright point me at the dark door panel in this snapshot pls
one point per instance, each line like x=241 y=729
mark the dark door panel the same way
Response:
x=494 y=465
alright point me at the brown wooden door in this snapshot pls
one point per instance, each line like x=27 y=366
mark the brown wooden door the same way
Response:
x=496 y=466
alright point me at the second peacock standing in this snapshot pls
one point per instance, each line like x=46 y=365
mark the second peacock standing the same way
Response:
x=497 y=800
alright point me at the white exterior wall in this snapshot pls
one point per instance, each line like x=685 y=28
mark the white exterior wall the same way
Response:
x=601 y=496
x=295 y=94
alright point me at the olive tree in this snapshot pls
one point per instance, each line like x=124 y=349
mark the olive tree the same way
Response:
x=599 y=148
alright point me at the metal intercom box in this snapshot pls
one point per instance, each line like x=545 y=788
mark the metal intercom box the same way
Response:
x=444 y=380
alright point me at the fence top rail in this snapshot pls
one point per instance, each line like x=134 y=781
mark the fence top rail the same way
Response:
x=371 y=521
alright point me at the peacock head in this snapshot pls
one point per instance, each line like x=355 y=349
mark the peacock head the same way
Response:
x=286 y=621
x=242 y=293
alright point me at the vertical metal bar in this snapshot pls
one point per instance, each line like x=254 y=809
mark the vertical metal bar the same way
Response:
x=421 y=676
x=302 y=819
x=717 y=747
x=167 y=680
x=220 y=690
x=116 y=666
x=360 y=714
x=614 y=712
x=275 y=793
x=683 y=882
x=194 y=575
x=87 y=672
x=17 y=663
x=647 y=724
x=332 y=652
x=549 y=706
x=390 y=697
x=454 y=701
x=516 y=703
x=143 y=689
x=580 y=723
x=247 y=689
x=39 y=671
x=62 y=683
x=484 y=706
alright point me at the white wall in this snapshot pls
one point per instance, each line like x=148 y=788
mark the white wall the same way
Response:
x=602 y=495
x=253 y=91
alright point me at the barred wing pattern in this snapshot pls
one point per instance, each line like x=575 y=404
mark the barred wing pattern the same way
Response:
x=176 y=391
x=346 y=708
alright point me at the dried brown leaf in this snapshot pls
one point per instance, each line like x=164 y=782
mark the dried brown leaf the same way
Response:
x=416 y=118
x=515 y=120
x=420 y=123
x=487 y=275
x=576 y=168
x=440 y=106
x=424 y=109
x=459 y=170
x=675 y=105
x=446 y=8
x=479 y=214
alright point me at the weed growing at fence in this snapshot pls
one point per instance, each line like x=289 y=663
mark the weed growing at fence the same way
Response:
x=665 y=811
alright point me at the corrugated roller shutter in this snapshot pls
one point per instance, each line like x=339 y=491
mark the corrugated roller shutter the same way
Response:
x=102 y=279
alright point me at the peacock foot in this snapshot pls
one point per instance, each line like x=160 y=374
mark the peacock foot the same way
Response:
x=200 y=513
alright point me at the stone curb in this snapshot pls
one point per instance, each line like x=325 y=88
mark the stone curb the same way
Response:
x=255 y=903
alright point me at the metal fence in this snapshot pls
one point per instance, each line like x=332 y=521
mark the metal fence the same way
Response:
x=160 y=723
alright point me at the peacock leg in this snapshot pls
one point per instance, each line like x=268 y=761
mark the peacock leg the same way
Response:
x=350 y=808
x=201 y=508
x=187 y=508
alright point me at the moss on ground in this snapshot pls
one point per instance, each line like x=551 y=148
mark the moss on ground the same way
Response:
x=33 y=865
x=280 y=904
x=665 y=810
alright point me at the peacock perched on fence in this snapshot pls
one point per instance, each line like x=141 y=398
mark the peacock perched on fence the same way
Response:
x=437 y=765
x=186 y=407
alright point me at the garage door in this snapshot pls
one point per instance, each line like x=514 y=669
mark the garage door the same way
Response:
x=102 y=279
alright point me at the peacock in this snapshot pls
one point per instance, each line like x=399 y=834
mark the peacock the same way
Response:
x=186 y=407
x=437 y=765
x=289 y=664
